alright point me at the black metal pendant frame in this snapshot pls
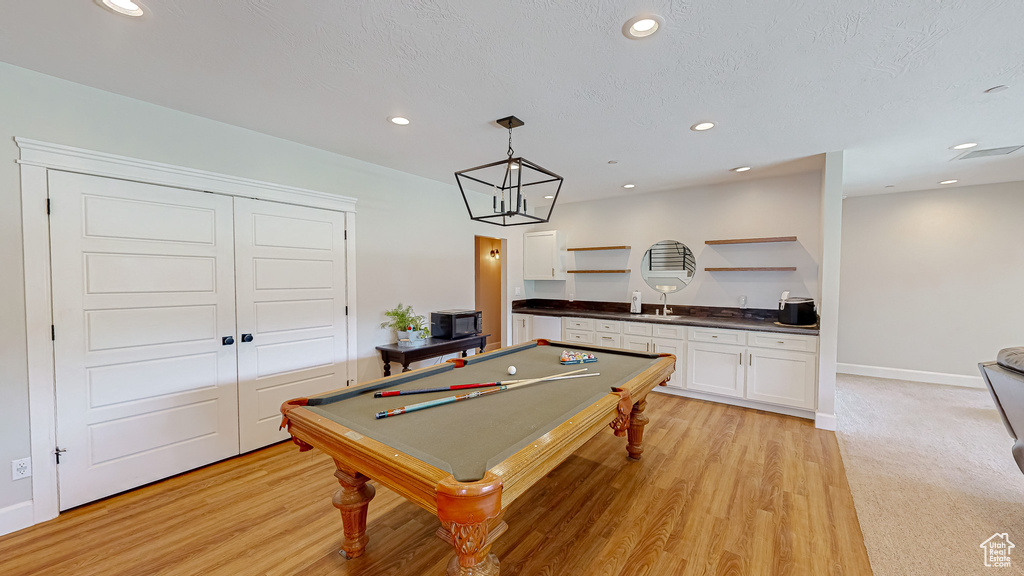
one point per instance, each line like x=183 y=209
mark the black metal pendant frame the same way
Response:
x=512 y=183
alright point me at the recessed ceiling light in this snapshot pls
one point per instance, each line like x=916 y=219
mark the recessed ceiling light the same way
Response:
x=741 y=169
x=126 y=7
x=398 y=120
x=642 y=26
x=964 y=146
x=995 y=89
x=549 y=197
x=628 y=186
x=949 y=182
x=702 y=126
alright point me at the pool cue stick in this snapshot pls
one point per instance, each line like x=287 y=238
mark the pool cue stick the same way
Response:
x=471 y=395
x=386 y=393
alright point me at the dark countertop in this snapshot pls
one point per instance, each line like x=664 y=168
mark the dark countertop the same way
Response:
x=762 y=320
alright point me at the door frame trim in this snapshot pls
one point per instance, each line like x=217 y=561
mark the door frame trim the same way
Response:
x=36 y=159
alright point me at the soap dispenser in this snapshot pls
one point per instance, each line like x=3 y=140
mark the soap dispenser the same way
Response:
x=634 y=304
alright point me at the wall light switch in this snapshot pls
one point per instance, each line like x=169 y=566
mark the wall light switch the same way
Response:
x=518 y=291
x=21 y=468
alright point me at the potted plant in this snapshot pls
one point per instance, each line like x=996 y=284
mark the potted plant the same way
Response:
x=410 y=327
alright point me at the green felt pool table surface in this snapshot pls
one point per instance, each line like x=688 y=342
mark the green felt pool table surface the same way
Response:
x=468 y=438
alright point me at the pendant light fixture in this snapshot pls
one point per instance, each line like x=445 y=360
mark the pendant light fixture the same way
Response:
x=509 y=192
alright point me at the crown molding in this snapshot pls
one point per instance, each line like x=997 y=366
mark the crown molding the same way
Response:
x=71 y=159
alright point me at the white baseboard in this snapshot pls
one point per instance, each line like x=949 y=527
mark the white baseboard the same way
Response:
x=16 y=517
x=911 y=375
x=825 y=421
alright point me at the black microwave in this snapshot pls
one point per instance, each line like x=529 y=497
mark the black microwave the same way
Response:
x=452 y=324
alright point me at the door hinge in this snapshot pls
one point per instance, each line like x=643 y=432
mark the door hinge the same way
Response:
x=47 y=206
x=53 y=333
x=346 y=234
x=346 y=310
x=57 y=451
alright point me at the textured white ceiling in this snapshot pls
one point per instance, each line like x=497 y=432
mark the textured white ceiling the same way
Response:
x=893 y=82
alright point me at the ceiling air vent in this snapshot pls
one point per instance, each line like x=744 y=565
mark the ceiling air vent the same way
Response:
x=990 y=152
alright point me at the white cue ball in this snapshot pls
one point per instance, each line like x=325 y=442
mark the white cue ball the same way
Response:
x=511 y=369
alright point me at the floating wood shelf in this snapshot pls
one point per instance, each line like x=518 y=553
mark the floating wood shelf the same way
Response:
x=772 y=269
x=753 y=240
x=588 y=248
x=598 y=271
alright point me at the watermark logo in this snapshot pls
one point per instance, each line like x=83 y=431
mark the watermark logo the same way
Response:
x=997 y=550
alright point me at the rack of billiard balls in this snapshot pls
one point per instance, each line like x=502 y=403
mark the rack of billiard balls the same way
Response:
x=571 y=357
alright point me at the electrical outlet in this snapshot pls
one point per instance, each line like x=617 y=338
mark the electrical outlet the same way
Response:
x=570 y=296
x=21 y=468
x=518 y=292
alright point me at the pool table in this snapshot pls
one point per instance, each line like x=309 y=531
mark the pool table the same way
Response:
x=468 y=461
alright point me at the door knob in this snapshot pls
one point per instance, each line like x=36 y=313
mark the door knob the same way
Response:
x=246 y=337
x=227 y=340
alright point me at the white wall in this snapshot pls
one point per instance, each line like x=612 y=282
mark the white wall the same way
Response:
x=780 y=206
x=932 y=281
x=414 y=239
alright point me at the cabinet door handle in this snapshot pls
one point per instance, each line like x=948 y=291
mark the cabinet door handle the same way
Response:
x=552 y=272
x=741 y=358
x=750 y=360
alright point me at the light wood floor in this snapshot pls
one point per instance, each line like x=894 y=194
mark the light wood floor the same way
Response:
x=720 y=490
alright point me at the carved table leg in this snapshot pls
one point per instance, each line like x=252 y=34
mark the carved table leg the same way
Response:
x=352 y=500
x=387 y=368
x=637 y=421
x=466 y=511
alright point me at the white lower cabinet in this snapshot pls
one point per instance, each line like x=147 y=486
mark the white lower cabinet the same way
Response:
x=781 y=377
x=637 y=343
x=774 y=368
x=580 y=336
x=715 y=368
x=636 y=336
x=522 y=328
x=678 y=348
x=609 y=340
x=778 y=369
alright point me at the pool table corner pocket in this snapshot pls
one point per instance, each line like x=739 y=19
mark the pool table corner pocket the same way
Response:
x=470 y=515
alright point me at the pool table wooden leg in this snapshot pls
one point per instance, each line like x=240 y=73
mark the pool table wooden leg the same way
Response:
x=468 y=511
x=637 y=421
x=352 y=500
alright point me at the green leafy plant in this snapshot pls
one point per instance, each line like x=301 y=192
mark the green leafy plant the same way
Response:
x=402 y=318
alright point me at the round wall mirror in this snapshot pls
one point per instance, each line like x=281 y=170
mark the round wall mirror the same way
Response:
x=668 y=266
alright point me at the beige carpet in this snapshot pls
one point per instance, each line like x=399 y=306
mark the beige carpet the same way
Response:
x=931 y=474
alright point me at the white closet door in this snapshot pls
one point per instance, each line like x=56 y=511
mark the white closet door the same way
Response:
x=143 y=292
x=291 y=291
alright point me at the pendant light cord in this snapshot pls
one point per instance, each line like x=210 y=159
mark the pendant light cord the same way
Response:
x=510 y=150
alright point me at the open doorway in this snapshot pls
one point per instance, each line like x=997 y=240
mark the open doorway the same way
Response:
x=490 y=287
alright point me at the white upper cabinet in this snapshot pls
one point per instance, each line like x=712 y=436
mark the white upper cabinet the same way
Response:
x=544 y=255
